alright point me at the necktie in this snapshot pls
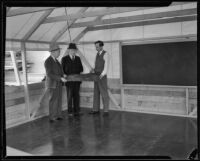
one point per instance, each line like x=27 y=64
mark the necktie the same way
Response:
x=57 y=61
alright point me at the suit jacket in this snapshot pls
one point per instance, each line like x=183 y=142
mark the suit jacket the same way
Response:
x=54 y=72
x=71 y=66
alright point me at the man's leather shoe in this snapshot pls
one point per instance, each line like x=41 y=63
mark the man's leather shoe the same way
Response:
x=106 y=114
x=52 y=120
x=94 y=112
x=59 y=118
x=78 y=114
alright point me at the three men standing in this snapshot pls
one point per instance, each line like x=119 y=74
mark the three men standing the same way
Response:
x=71 y=64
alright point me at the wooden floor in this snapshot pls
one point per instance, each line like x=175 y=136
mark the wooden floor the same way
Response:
x=119 y=134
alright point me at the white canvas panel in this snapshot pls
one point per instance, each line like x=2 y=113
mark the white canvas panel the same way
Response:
x=95 y=9
x=61 y=11
x=189 y=27
x=139 y=11
x=162 y=9
x=114 y=68
x=16 y=24
x=73 y=32
x=115 y=34
x=37 y=58
x=189 y=5
x=37 y=46
x=160 y=30
x=47 y=31
x=26 y=28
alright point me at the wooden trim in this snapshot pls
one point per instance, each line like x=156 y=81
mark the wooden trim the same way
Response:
x=28 y=49
x=181 y=38
x=15 y=101
x=122 y=98
x=189 y=37
x=127 y=86
x=37 y=24
x=26 y=90
x=28 y=41
x=121 y=76
x=103 y=12
x=64 y=29
x=142 y=23
x=187 y=100
x=120 y=57
x=159 y=113
x=27 y=10
x=13 y=57
x=112 y=10
x=80 y=35
x=142 y=17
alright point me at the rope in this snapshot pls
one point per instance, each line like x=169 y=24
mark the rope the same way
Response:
x=68 y=25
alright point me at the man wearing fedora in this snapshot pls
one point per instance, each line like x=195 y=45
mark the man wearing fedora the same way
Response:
x=72 y=65
x=53 y=83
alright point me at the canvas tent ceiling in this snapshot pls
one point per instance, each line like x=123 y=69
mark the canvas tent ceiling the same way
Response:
x=39 y=26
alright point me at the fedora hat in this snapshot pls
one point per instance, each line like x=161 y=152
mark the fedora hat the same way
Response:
x=72 y=46
x=54 y=47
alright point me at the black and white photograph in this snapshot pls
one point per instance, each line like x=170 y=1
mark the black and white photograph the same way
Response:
x=87 y=81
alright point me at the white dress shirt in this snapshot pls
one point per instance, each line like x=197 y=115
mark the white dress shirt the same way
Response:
x=107 y=62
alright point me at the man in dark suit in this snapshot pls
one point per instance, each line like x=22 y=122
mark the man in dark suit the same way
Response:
x=53 y=83
x=72 y=65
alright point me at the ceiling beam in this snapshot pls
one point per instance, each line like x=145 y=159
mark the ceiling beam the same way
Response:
x=64 y=29
x=103 y=12
x=28 y=41
x=189 y=36
x=27 y=10
x=37 y=24
x=142 y=23
x=8 y=9
x=80 y=35
x=136 y=18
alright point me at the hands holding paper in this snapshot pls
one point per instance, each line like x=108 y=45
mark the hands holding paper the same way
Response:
x=64 y=78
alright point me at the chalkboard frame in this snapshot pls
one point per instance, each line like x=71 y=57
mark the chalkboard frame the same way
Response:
x=152 y=41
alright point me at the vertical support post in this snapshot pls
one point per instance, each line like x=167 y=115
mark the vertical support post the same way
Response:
x=187 y=100
x=16 y=71
x=122 y=98
x=26 y=90
x=121 y=76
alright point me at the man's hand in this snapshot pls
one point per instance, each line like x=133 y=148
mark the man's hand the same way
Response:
x=64 y=75
x=63 y=79
x=102 y=75
x=92 y=71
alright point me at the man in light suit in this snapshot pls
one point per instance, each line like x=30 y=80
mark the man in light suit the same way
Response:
x=53 y=83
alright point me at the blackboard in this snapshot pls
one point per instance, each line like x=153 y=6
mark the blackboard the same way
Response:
x=171 y=63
